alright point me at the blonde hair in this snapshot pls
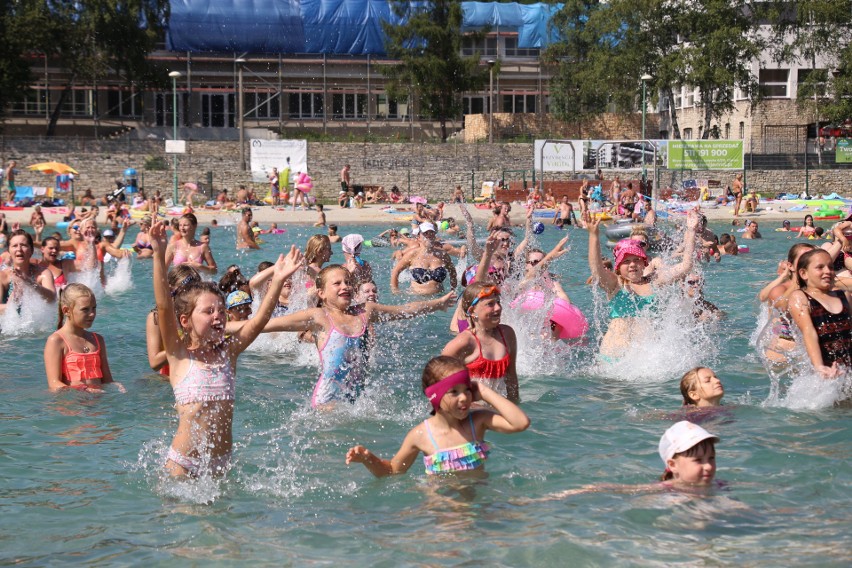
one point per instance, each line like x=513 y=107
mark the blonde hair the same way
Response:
x=689 y=382
x=471 y=293
x=69 y=296
x=322 y=277
x=187 y=296
x=316 y=244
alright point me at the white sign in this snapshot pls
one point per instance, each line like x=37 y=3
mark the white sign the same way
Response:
x=175 y=146
x=556 y=156
x=268 y=154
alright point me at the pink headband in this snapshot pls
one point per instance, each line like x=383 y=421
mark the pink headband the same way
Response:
x=628 y=247
x=435 y=393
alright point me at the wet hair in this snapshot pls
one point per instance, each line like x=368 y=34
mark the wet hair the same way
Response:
x=804 y=262
x=323 y=276
x=316 y=244
x=21 y=233
x=181 y=275
x=205 y=232
x=534 y=250
x=701 y=447
x=191 y=218
x=188 y=295
x=264 y=265
x=818 y=231
x=639 y=230
x=69 y=296
x=798 y=249
x=319 y=206
x=174 y=223
x=50 y=238
x=439 y=368
x=689 y=382
x=805 y=220
x=232 y=281
x=724 y=239
x=333 y=228
x=471 y=293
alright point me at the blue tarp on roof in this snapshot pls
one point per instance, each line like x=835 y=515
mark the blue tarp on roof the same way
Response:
x=326 y=26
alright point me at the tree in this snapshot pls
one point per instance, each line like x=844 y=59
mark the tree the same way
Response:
x=90 y=39
x=428 y=46
x=609 y=45
x=14 y=70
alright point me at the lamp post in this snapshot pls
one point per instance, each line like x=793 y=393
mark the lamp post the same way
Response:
x=491 y=101
x=240 y=62
x=644 y=78
x=174 y=75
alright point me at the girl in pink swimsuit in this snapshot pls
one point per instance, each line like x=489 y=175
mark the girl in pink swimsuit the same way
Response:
x=202 y=361
x=73 y=357
x=452 y=440
x=488 y=348
x=189 y=250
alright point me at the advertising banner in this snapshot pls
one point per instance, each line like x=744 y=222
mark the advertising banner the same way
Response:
x=843 y=151
x=268 y=154
x=705 y=155
x=558 y=156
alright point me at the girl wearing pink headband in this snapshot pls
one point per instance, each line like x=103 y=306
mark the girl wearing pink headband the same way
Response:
x=629 y=290
x=452 y=439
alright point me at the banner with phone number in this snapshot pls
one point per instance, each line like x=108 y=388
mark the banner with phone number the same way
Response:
x=705 y=155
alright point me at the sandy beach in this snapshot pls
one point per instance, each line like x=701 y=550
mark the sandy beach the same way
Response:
x=376 y=215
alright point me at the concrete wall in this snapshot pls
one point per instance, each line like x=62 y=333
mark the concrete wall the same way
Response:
x=433 y=169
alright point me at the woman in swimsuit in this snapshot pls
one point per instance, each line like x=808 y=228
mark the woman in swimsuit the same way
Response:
x=202 y=362
x=628 y=289
x=50 y=260
x=189 y=250
x=340 y=331
x=488 y=348
x=22 y=275
x=737 y=190
x=73 y=357
x=429 y=265
x=142 y=246
x=822 y=314
x=452 y=439
x=807 y=229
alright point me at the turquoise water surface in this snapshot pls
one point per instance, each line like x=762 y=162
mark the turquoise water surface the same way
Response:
x=81 y=477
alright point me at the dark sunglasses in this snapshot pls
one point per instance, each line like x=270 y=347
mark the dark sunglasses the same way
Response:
x=693 y=282
x=75 y=228
x=643 y=244
x=534 y=262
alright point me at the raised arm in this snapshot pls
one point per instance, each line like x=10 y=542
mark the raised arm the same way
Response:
x=382 y=312
x=166 y=319
x=473 y=248
x=285 y=267
x=679 y=271
x=606 y=279
x=509 y=418
x=522 y=246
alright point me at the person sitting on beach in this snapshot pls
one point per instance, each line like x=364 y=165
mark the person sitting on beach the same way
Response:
x=395 y=195
x=549 y=201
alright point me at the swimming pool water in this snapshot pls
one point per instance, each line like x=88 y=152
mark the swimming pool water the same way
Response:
x=80 y=475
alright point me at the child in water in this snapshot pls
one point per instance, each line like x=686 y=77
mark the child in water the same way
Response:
x=453 y=439
x=701 y=388
x=202 y=361
x=73 y=357
x=340 y=331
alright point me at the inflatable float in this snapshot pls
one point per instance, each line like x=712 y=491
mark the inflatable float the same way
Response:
x=742 y=249
x=569 y=320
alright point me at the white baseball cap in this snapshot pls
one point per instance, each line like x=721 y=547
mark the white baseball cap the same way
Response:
x=681 y=437
x=427 y=227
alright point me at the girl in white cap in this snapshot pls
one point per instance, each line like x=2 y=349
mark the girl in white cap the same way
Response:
x=689 y=452
x=359 y=268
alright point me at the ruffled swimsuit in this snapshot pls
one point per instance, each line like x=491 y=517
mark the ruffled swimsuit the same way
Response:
x=466 y=457
x=203 y=383
x=81 y=370
x=490 y=372
x=343 y=365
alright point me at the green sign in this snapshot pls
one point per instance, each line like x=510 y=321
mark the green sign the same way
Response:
x=705 y=155
x=843 y=151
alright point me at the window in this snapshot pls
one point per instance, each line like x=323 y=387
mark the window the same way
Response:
x=348 y=105
x=78 y=102
x=510 y=46
x=486 y=46
x=218 y=110
x=687 y=134
x=742 y=131
x=387 y=107
x=690 y=99
x=773 y=82
x=124 y=103
x=677 y=97
x=519 y=103
x=474 y=105
x=664 y=134
x=261 y=105
x=305 y=105
x=808 y=88
x=34 y=102
x=728 y=131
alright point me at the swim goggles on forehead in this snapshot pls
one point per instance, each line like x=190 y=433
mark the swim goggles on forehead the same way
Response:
x=484 y=293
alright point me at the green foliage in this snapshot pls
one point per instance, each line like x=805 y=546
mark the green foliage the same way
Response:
x=93 y=38
x=156 y=164
x=14 y=68
x=428 y=47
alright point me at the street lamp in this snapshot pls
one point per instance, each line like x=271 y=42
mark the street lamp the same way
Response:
x=644 y=78
x=174 y=75
x=491 y=63
x=240 y=62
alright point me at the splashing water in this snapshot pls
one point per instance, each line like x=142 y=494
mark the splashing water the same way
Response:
x=120 y=279
x=34 y=316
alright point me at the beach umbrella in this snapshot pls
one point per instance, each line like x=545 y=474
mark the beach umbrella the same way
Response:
x=53 y=168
